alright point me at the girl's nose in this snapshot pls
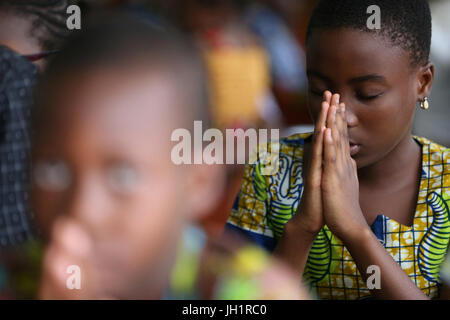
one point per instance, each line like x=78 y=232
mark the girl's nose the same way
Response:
x=352 y=119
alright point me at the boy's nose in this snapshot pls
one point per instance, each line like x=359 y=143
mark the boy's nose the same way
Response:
x=87 y=205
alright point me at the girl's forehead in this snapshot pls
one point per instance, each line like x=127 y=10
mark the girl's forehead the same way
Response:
x=346 y=50
x=333 y=40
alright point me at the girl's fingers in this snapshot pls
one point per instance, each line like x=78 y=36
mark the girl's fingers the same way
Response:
x=339 y=119
x=340 y=125
x=355 y=167
x=321 y=121
x=344 y=131
x=329 y=150
x=335 y=129
x=327 y=96
x=331 y=122
x=328 y=122
x=316 y=161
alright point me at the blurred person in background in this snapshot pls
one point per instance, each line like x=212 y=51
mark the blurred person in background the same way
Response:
x=106 y=193
x=17 y=78
x=238 y=66
x=34 y=30
x=31 y=32
x=287 y=59
x=237 y=62
x=433 y=123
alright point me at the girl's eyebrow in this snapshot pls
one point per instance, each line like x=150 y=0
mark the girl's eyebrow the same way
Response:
x=314 y=73
x=370 y=77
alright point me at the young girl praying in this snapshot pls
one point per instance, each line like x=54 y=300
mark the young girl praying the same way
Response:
x=359 y=207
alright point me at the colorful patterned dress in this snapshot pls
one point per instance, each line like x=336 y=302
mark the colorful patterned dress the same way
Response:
x=266 y=202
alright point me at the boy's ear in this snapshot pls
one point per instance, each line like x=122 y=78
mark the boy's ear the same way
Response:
x=205 y=187
x=425 y=77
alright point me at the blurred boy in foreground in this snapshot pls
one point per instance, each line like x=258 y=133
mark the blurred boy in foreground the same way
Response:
x=106 y=194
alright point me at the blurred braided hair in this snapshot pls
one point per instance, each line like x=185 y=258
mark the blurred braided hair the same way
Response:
x=48 y=18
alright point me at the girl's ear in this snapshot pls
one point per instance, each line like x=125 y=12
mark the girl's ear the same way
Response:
x=425 y=77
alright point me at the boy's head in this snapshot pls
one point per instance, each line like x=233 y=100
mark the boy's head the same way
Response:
x=33 y=26
x=380 y=73
x=106 y=109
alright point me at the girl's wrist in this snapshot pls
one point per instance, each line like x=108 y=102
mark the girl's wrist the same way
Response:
x=359 y=234
x=300 y=228
x=294 y=245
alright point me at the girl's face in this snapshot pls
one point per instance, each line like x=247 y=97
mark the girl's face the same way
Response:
x=375 y=81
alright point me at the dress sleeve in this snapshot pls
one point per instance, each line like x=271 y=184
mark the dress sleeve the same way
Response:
x=248 y=215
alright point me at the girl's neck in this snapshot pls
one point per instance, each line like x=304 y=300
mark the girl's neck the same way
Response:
x=399 y=162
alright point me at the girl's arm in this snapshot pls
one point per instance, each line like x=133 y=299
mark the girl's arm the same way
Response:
x=343 y=215
x=366 y=251
x=300 y=232
x=294 y=246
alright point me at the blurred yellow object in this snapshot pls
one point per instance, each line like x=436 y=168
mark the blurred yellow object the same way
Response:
x=250 y=260
x=240 y=79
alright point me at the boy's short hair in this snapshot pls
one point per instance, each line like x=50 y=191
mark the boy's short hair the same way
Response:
x=124 y=42
x=406 y=23
x=48 y=19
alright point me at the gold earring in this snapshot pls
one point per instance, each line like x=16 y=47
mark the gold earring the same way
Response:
x=424 y=105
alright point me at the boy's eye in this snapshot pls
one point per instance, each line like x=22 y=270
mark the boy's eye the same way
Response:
x=122 y=178
x=53 y=176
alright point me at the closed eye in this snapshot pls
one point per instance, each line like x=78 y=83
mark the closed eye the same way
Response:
x=369 y=97
x=317 y=92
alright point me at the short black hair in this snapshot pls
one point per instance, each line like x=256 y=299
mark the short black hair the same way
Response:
x=48 y=19
x=123 y=42
x=405 y=23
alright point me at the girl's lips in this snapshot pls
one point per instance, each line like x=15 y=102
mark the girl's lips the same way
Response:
x=354 y=149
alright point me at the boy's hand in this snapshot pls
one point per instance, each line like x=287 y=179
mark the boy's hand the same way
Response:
x=340 y=186
x=309 y=216
x=69 y=247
